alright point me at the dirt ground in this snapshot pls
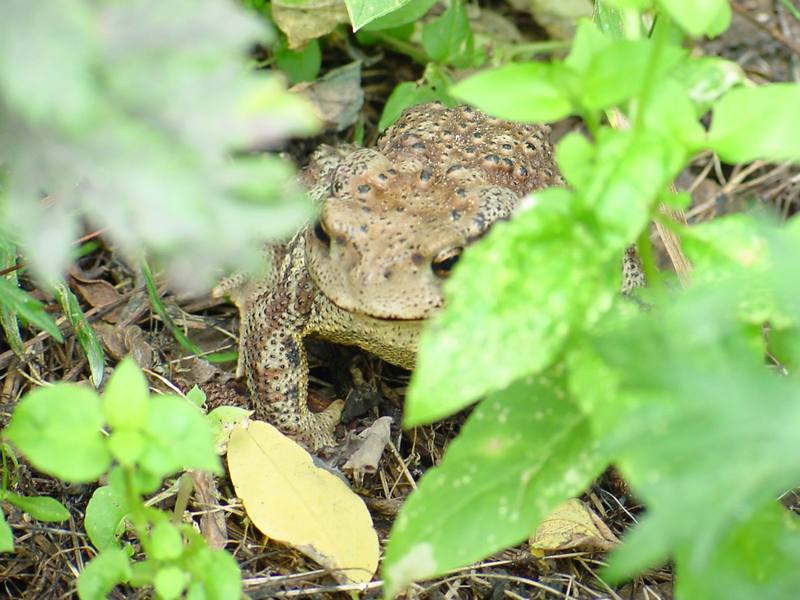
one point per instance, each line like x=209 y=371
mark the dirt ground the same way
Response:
x=764 y=40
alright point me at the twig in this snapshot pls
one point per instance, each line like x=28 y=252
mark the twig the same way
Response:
x=768 y=29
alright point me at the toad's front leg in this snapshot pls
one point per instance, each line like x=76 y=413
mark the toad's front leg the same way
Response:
x=276 y=364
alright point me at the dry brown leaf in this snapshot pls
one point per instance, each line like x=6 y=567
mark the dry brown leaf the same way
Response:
x=121 y=342
x=292 y=501
x=212 y=522
x=302 y=22
x=572 y=526
x=371 y=442
x=97 y=292
x=336 y=97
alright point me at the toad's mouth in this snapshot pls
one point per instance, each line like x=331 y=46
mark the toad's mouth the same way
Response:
x=369 y=313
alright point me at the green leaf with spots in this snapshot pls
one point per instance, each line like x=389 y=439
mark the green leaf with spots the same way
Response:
x=522 y=451
x=531 y=284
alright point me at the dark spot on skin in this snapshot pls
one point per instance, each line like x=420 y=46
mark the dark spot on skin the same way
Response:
x=455 y=215
x=366 y=209
x=469 y=150
x=530 y=146
x=417 y=259
x=340 y=239
x=492 y=159
x=400 y=209
x=453 y=168
x=392 y=171
x=507 y=146
x=508 y=162
x=522 y=171
x=418 y=146
x=425 y=174
x=480 y=221
x=363 y=188
x=387 y=274
x=477 y=135
x=291 y=351
x=461 y=192
x=382 y=177
x=363 y=228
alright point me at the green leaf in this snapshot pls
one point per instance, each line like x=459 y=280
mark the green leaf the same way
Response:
x=409 y=93
x=411 y=12
x=521 y=452
x=169 y=582
x=161 y=150
x=8 y=318
x=103 y=573
x=518 y=92
x=6 y=535
x=671 y=113
x=104 y=514
x=448 y=38
x=588 y=42
x=757 y=558
x=41 y=508
x=196 y=396
x=618 y=72
x=179 y=436
x=630 y=170
x=299 y=65
x=126 y=398
x=59 y=430
x=707 y=78
x=757 y=123
x=83 y=332
x=216 y=571
x=18 y=302
x=165 y=542
x=693 y=384
x=365 y=11
x=699 y=17
x=127 y=445
x=545 y=257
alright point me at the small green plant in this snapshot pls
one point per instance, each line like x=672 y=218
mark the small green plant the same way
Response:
x=41 y=508
x=135 y=440
x=573 y=376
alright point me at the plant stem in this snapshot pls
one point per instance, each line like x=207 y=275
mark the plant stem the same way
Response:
x=660 y=40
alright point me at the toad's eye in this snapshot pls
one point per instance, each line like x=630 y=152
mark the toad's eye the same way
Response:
x=445 y=261
x=321 y=234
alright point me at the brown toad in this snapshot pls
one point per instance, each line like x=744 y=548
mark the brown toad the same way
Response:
x=393 y=222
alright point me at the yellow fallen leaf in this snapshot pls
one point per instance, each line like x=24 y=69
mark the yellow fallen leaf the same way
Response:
x=572 y=526
x=292 y=501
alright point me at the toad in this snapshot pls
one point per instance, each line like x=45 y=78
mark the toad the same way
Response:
x=393 y=222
